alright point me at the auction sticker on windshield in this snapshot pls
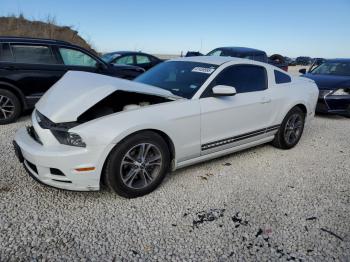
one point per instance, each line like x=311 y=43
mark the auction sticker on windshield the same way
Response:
x=203 y=70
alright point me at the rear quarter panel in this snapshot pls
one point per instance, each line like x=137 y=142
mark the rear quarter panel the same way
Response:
x=298 y=91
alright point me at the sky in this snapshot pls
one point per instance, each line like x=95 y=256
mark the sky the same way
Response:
x=316 y=28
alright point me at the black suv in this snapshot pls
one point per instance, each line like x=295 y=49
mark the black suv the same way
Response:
x=30 y=66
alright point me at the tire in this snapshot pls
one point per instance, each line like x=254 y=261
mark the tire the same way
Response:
x=10 y=107
x=290 y=130
x=127 y=172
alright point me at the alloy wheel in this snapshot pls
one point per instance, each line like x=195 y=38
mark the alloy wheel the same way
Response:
x=141 y=165
x=293 y=129
x=7 y=108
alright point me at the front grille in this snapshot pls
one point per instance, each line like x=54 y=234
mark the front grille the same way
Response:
x=31 y=131
x=62 y=181
x=57 y=172
x=32 y=167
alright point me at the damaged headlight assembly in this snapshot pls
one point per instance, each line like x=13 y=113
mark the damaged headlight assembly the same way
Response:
x=60 y=131
x=68 y=138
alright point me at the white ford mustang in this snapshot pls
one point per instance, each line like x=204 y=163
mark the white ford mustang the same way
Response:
x=90 y=129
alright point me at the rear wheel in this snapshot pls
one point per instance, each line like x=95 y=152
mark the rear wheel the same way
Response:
x=290 y=130
x=10 y=107
x=137 y=165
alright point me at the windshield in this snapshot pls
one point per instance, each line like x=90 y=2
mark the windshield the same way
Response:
x=333 y=68
x=109 y=57
x=179 y=77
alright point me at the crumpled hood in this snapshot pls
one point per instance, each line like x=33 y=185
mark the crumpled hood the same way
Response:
x=77 y=91
x=329 y=81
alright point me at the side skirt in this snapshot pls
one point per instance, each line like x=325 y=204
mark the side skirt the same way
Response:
x=223 y=152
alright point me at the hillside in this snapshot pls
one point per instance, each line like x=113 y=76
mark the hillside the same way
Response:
x=20 y=26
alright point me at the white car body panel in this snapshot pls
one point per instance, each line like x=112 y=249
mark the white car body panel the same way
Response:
x=199 y=128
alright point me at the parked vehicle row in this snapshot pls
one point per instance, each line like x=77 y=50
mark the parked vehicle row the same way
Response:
x=29 y=67
x=247 y=53
x=129 y=134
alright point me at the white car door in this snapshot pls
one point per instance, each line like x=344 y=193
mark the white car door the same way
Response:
x=228 y=121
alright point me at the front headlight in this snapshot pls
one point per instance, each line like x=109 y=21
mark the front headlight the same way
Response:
x=342 y=92
x=60 y=130
x=68 y=138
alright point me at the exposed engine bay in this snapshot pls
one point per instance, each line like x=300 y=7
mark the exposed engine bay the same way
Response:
x=120 y=101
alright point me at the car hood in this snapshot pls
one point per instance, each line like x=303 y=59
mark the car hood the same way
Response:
x=76 y=92
x=329 y=81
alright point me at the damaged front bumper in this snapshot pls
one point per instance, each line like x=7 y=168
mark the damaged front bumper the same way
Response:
x=56 y=165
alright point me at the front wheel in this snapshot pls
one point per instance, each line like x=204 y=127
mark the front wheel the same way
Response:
x=10 y=107
x=290 y=130
x=137 y=165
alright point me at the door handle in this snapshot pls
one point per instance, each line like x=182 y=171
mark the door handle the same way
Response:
x=265 y=100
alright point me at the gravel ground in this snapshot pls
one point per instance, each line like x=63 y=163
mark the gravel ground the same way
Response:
x=260 y=204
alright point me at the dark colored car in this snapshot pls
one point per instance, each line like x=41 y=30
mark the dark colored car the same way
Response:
x=333 y=80
x=30 y=66
x=139 y=59
x=250 y=53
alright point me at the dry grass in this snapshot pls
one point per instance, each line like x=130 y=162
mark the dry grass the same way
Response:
x=20 y=26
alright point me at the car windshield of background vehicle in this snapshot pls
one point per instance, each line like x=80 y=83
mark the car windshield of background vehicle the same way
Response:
x=215 y=53
x=109 y=57
x=179 y=77
x=333 y=68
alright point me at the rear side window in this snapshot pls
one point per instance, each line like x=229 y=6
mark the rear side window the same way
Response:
x=245 y=78
x=142 y=59
x=5 y=53
x=282 y=78
x=33 y=54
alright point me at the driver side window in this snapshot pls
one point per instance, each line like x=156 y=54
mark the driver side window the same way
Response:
x=244 y=78
x=76 y=58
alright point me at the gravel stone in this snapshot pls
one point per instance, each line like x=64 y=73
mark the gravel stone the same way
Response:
x=287 y=205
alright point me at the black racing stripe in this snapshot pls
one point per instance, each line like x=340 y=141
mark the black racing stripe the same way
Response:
x=271 y=128
x=238 y=138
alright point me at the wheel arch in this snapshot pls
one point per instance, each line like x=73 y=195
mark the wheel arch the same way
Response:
x=14 y=89
x=161 y=133
x=302 y=107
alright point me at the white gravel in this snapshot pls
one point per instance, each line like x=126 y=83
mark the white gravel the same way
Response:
x=260 y=204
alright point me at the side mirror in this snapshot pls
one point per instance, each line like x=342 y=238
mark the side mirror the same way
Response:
x=302 y=71
x=222 y=90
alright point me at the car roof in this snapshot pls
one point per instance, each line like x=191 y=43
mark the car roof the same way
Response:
x=215 y=60
x=32 y=40
x=347 y=60
x=243 y=50
x=125 y=53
